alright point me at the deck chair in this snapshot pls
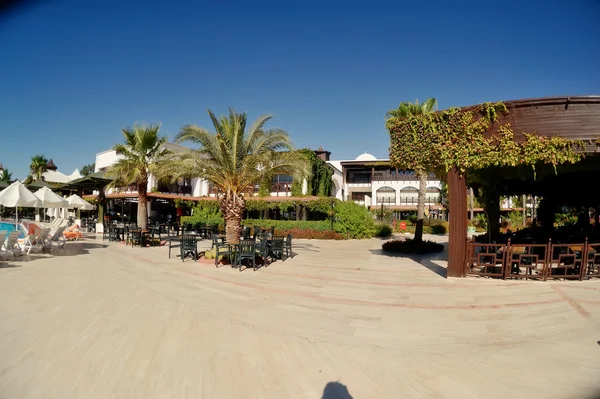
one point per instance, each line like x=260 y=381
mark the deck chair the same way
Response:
x=55 y=239
x=3 y=234
x=11 y=245
x=32 y=241
x=247 y=251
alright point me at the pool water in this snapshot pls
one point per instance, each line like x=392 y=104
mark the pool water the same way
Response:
x=10 y=227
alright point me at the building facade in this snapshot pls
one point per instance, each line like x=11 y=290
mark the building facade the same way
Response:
x=373 y=182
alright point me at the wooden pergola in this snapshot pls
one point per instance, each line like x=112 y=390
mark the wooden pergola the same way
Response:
x=573 y=118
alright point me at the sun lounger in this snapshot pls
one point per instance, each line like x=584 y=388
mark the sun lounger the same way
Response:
x=36 y=241
x=3 y=234
x=11 y=245
x=55 y=239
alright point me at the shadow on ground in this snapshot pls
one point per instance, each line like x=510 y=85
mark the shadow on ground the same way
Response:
x=424 y=260
x=336 y=390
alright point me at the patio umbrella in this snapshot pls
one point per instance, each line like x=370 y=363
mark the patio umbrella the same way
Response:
x=17 y=195
x=49 y=199
x=75 y=201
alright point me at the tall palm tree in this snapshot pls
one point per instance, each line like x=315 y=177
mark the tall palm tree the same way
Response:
x=235 y=158
x=5 y=176
x=38 y=166
x=405 y=110
x=141 y=154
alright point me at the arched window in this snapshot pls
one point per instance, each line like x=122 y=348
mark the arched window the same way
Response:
x=386 y=195
x=409 y=195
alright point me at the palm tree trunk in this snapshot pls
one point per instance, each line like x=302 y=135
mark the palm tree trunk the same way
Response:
x=142 y=212
x=421 y=205
x=232 y=207
x=471 y=204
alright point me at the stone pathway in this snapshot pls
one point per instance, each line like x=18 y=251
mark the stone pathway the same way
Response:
x=109 y=321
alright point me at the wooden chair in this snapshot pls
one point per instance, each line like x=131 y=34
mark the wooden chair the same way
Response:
x=136 y=238
x=222 y=248
x=262 y=250
x=173 y=241
x=276 y=250
x=287 y=247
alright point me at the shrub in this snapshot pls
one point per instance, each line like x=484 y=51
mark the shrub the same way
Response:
x=311 y=234
x=383 y=230
x=412 y=247
x=205 y=212
x=437 y=226
x=353 y=220
x=412 y=219
x=284 y=225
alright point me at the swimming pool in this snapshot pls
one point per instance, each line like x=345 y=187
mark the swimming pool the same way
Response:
x=10 y=227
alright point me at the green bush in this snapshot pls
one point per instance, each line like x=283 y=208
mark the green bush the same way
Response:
x=514 y=219
x=383 y=230
x=413 y=219
x=412 y=247
x=353 y=220
x=311 y=234
x=285 y=225
x=479 y=221
x=205 y=212
x=439 y=228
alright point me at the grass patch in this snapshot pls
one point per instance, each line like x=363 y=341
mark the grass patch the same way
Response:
x=410 y=246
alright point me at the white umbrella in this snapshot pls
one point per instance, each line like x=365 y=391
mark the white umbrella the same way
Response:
x=49 y=199
x=17 y=195
x=75 y=201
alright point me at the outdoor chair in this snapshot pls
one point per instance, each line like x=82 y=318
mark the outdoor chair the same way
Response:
x=246 y=251
x=105 y=232
x=56 y=239
x=35 y=241
x=156 y=230
x=276 y=251
x=11 y=245
x=3 y=234
x=136 y=238
x=189 y=246
x=113 y=233
x=222 y=248
x=217 y=239
x=173 y=241
x=246 y=233
x=287 y=247
x=262 y=250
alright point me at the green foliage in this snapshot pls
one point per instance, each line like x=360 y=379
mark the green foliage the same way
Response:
x=286 y=225
x=441 y=228
x=186 y=204
x=565 y=219
x=319 y=183
x=322 y=205
x=460 y=138
x=311 y=234
x=6 y=176
x=88 y=169
x=38 y=166
x=353 y=220
x=412 y=219
x=480 y=221
x=383 y=230
x=514 y=219
x=412 y=247
x=206 y=212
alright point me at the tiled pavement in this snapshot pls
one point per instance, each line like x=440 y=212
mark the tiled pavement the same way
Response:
x=117 y=322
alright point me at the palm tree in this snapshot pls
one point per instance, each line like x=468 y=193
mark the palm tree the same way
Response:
x=234 y=159
x=405 y=110
x=38 y=166
x=6 y=176
x=88 y=169
x=141 y=154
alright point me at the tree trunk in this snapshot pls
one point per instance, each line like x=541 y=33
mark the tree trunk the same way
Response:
x=232 y=207
x=421 y=205
x=492 y=211
x=142 y=212
x=471 y=204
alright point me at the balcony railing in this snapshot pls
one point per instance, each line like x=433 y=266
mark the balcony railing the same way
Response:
x=386 y=176
x=359 y=180
x=175 y=189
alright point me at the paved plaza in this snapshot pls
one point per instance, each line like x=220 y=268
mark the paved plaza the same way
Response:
x=340 y=320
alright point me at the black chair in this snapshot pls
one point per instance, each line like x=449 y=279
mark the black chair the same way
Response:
x=156 y=230
x=262 y=250
x=189 y=246
x=113 y=233
x=105 y=232
x=246 y=233
x=136 y=238
x=287 y=247
x=276 y=251
x=217 y=239
x=172 y=242
x=222 y=249
x=246 y=251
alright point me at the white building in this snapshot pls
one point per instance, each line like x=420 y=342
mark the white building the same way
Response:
x=54 y=176
x=196 y=187
x=373 y=182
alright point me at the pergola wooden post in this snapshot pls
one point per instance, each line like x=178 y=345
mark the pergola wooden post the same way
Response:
x=457 y=246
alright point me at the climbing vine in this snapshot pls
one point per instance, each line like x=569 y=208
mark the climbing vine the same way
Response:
x=319 y=182
x=461 y=138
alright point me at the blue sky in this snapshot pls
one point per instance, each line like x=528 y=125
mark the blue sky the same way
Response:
x=75 y=72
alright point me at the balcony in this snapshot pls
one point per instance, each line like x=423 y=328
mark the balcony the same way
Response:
x=389 y=176
x=175 y=189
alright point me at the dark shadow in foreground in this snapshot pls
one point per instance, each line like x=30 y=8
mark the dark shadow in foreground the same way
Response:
x=424 y=260
x=336 y=390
